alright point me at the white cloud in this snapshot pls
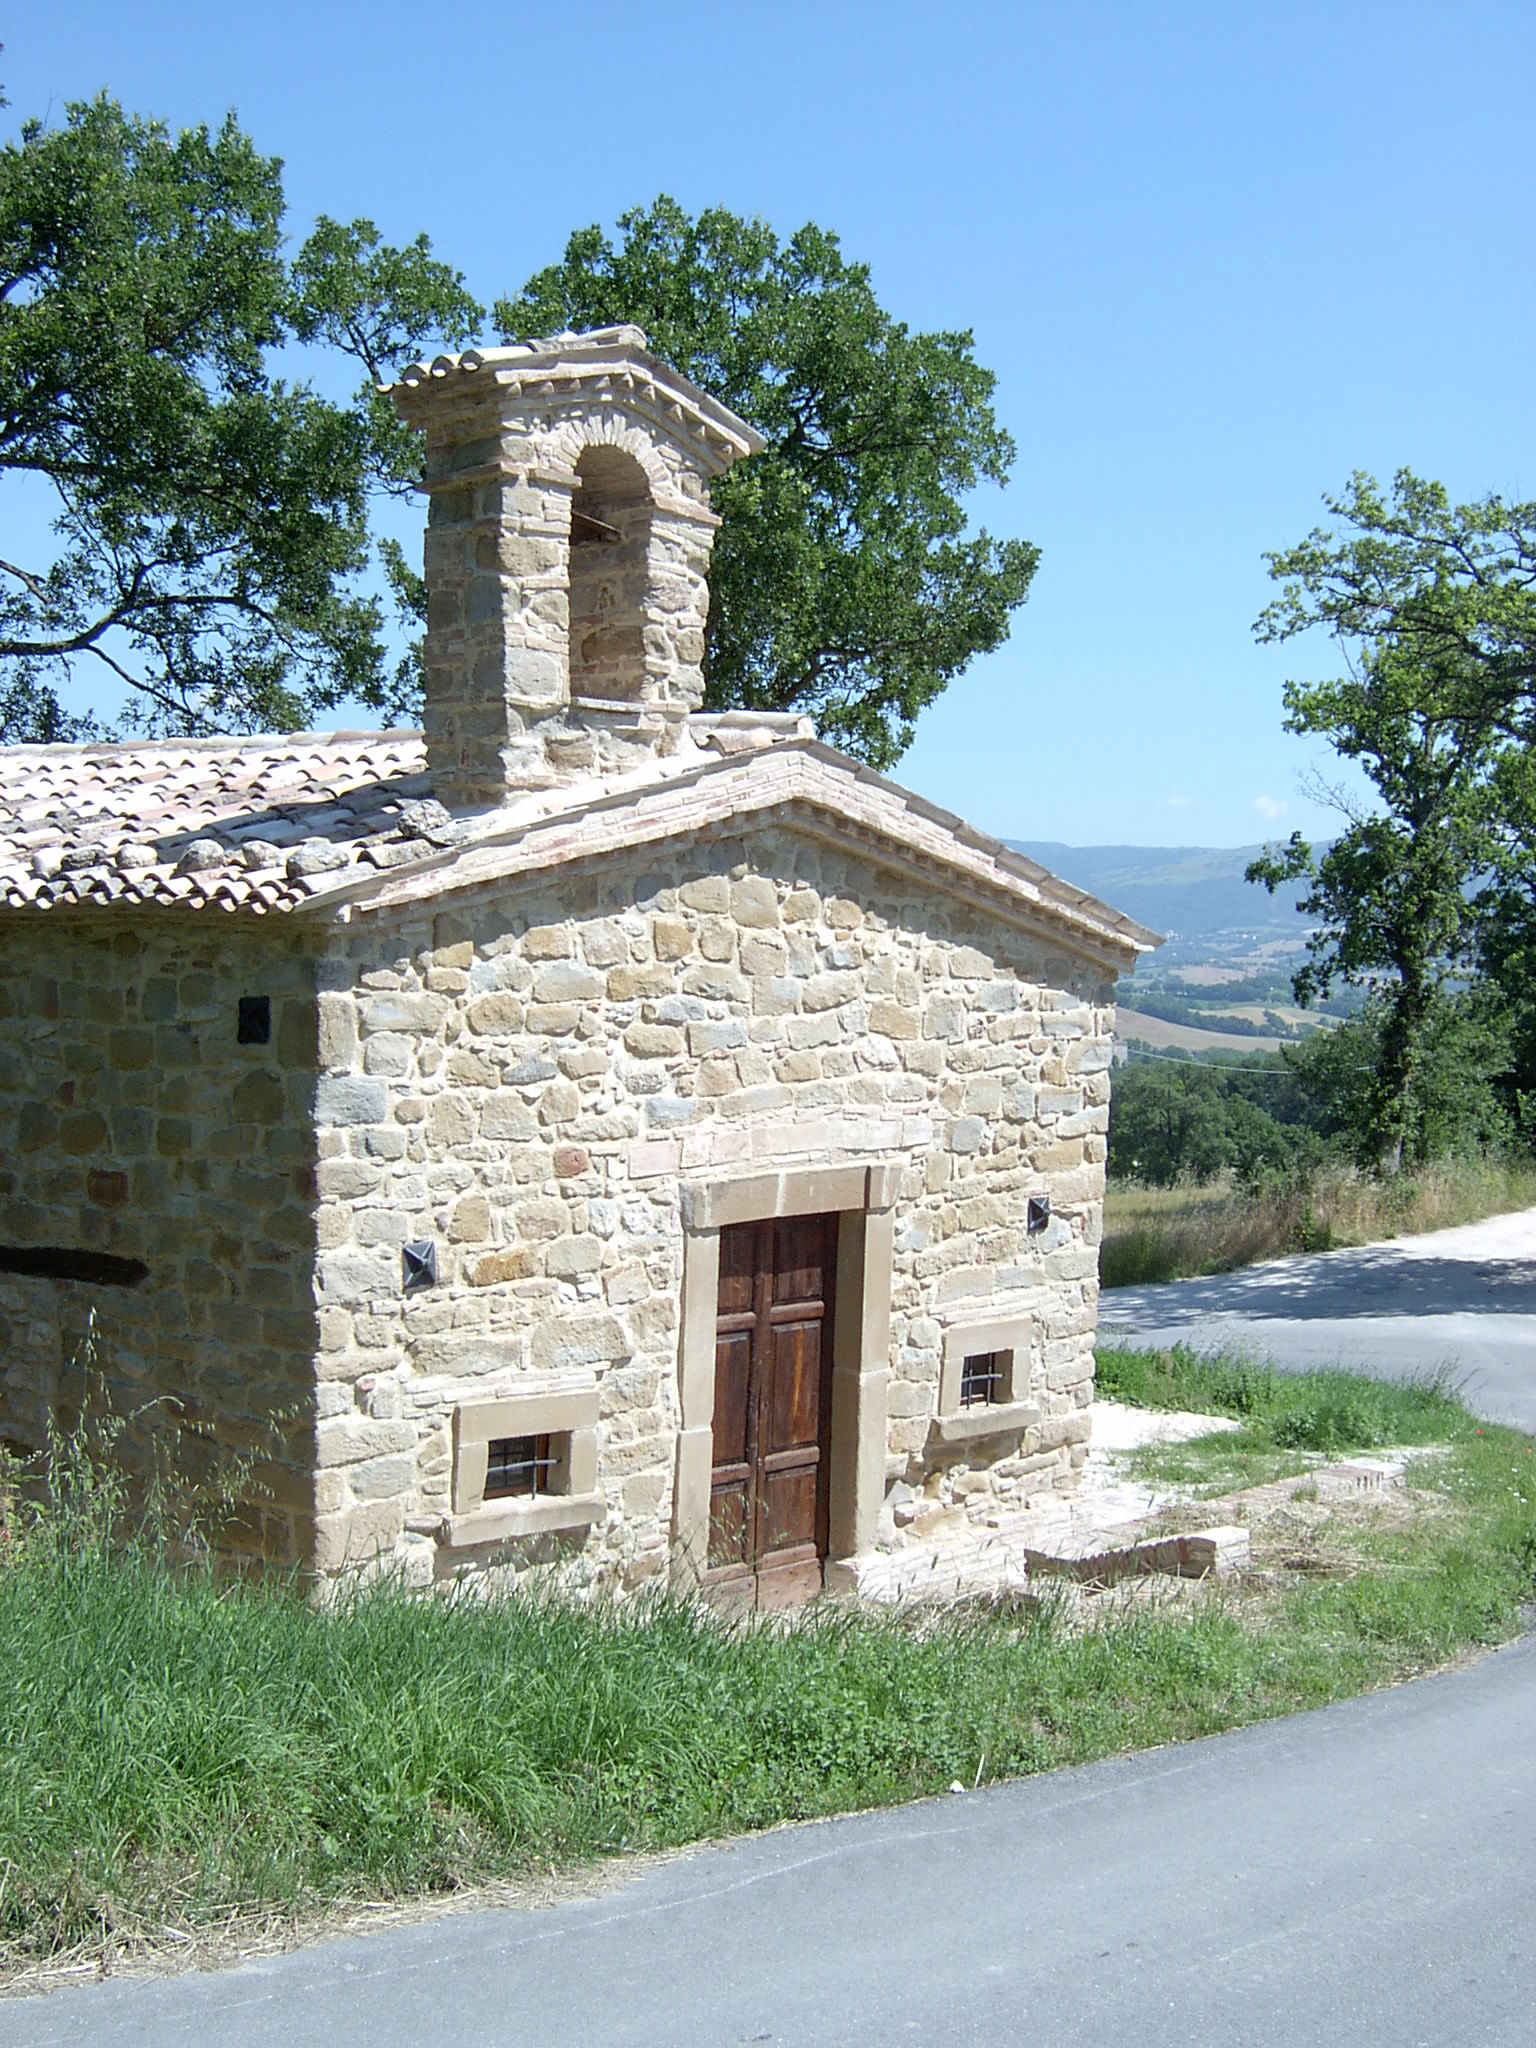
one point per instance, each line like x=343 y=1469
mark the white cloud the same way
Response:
x=1178 y=803
x=1269 y=807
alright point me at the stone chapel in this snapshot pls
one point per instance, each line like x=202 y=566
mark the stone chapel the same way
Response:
x=593 y=1133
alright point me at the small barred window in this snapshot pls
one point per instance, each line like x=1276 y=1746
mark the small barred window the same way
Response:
x=519 y=1465
x=981 y=1379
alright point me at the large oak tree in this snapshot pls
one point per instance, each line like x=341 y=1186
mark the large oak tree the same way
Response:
x=1429 y=887
x=209 y=513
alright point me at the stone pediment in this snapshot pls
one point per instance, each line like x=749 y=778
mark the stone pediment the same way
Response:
x=797 y=784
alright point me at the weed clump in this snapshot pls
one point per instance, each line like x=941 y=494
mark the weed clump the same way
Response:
x=1327 y=1412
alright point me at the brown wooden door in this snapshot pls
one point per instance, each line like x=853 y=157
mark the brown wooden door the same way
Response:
x=773 y=1407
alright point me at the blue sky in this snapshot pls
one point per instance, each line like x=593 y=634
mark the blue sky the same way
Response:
x=1218 y=255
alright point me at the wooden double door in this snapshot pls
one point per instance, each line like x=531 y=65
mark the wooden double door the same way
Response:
x=769 y=1502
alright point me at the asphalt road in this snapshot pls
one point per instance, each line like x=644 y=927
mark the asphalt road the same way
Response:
x=1365 y=1874
x=1462 y=1300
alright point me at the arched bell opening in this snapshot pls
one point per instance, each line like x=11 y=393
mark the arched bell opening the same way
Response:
x=610 y=545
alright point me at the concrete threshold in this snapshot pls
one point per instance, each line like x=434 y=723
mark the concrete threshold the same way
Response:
x=1089 y=1541
x=1108 y=1530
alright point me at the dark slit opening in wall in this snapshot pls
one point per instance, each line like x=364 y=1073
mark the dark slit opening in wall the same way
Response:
x=63 y=1262
x=253 y=1021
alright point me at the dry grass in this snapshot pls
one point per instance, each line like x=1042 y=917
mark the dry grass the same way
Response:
x=1169 y=1233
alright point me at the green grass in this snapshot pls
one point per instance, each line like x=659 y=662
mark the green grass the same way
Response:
x=1156 y=1234
x=1329 y=1412
x=1209 y=1466
x=179 y=1749
x=1288 y=1422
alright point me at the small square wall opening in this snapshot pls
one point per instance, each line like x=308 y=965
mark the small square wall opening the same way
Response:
x=520 y=1466
x=984 y=1377
x=525 y=1465
x=1037 y=1214
x=253 y=1023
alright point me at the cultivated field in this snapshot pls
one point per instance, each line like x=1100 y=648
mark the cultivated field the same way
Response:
x=1156 y=1032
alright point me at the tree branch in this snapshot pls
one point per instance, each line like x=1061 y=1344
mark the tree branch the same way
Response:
x=34 y=584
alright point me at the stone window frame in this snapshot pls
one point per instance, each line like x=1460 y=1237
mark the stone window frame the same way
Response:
x=1012 y=1336
x=864 y=1200
x=568 y=1417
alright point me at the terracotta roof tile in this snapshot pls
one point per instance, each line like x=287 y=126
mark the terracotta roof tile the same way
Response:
x=198 y=821
x=319 y=821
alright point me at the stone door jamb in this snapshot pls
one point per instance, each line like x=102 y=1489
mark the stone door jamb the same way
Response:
x=864 y=1199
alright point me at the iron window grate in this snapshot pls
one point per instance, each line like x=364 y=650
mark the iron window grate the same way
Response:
x=519 y=1465
x=981 y=1379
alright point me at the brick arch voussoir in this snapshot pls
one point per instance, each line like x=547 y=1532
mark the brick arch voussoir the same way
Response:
x=606 y=430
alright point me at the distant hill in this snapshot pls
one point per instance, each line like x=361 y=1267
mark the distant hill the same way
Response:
x=1195 y=895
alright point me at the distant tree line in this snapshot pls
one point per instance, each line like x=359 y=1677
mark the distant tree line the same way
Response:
x=1267 y=988
x=1175 y=1009
x=1180 y=1118
x=1282 y=1115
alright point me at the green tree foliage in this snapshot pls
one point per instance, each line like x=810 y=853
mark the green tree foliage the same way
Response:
x=1457 y=1107
x=844 y=582
x=1506 y=908
x=1173 y=1120
x=210 y=515
x=1451 y=587
x=1434 y=609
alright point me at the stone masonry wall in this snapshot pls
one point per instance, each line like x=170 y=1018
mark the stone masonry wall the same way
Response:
x=132 y=1123
x=527 y=1077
